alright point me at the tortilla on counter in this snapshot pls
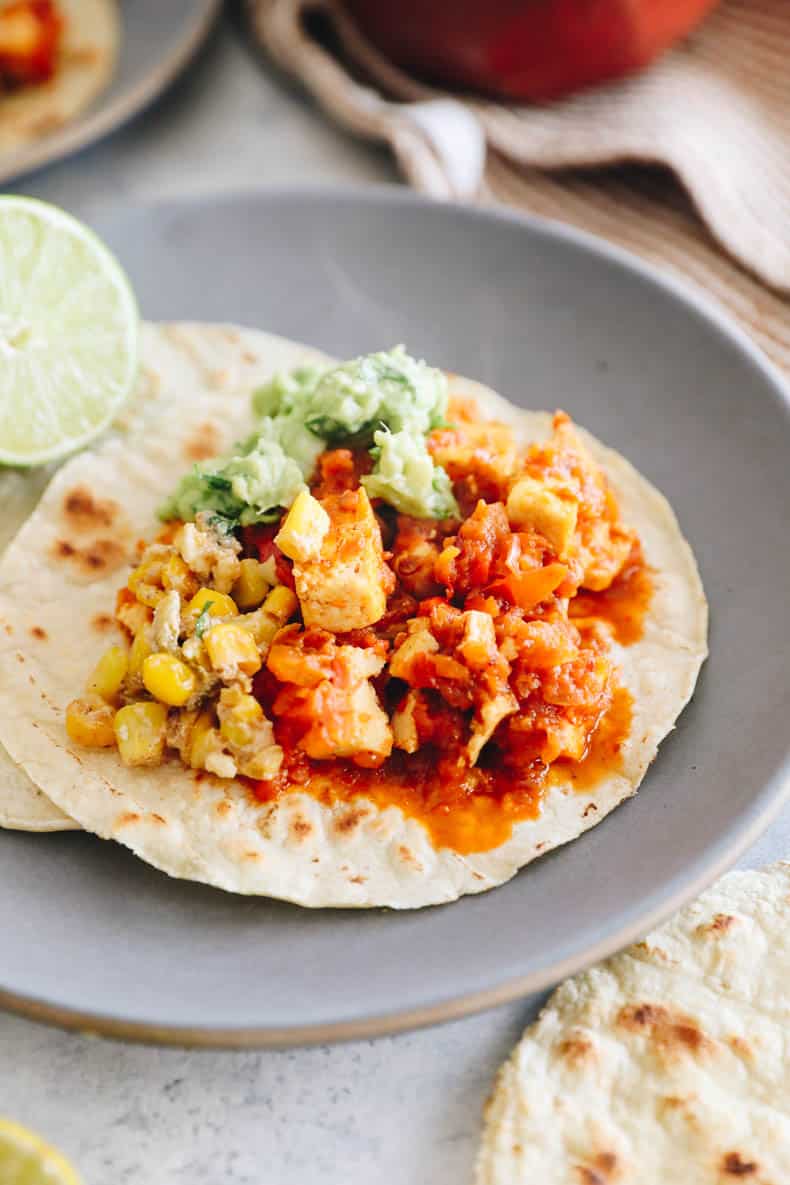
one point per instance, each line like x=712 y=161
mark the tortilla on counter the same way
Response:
x=91 y=38
x=666 y=1063
x=61 y=574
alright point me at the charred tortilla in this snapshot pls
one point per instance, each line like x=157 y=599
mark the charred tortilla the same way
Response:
x=61 y=574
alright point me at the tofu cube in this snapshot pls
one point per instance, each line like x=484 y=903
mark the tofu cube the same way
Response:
x=531 y=503
x=345 y=586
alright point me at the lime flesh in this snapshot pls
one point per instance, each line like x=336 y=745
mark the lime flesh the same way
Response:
x=68 y=333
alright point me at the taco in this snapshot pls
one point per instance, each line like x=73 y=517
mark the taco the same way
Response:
x=55 y=58
x=367 y=638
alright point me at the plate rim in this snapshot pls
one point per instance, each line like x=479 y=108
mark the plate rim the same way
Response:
x=773 y=794
x=83 y=131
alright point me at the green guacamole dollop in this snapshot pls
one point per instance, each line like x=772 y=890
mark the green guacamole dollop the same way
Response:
x=387 y=401
x=406 y=476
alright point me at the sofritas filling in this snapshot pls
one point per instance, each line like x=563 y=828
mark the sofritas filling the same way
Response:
x=316 y=613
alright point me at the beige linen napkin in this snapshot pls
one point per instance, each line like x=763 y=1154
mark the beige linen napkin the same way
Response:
x=709 y=126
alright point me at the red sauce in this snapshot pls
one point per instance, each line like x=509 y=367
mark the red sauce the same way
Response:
x=623 y=606
x=603 y=755
x=469 y=810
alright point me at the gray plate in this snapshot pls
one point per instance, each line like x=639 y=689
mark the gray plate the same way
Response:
x=158 y=38
x=93 y=937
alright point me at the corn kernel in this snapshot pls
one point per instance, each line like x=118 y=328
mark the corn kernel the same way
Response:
x=220 y=604
x=261 y=625
x=202 y=740
x=145 y=583
x=176 y=575
x=168 y=679
x=303 y=529
x=140 y=733
x=89 y=722
x=281 y=603
x=238 y=719
x=231 y=648
x=251 y=586
x=109 y=673
x=140 y=649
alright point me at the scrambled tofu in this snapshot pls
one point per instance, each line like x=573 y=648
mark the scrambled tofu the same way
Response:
x=564 y=496
x=345 y=586
x=531 y=504
x=482 y=450
x=328 y=696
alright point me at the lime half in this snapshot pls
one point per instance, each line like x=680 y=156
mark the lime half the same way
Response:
x=26 y=1160
x=68 y=333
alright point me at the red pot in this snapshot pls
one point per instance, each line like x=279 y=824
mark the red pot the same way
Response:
x=525 y=49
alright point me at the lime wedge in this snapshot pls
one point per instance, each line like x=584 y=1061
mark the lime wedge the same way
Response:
x=68 y=333
x=26 y=1160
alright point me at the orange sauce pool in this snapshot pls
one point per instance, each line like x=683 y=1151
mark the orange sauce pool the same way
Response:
x=624 y=604
x=476 y=816
x=603 y=756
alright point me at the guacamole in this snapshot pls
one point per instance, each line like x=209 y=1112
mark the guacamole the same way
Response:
x=406 y=476
x=243 y=490
x=389 y=389
x=386 y=401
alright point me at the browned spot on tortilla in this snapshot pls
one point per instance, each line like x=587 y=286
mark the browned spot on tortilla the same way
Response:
x=39 y=632
x=590 y=807
x=20 y=657
x=218 y=378
x=300 y=828
x=740 y=1046
x=349 y=821
x=223 y=807
x=46 y=124
x=250 y=855
x=127 y=818
x=720 y=924
x=669 y=1030
x=102 y=622
x=603 y=1170
x=408 y=858
x=103 y=555
x=84 y=512
x=157 y=818
x=248 y=356
x=576 y=1051
x=358 y=880
x=588 y=1176
x=478 y=876
x=8 y=629
x=203 y=443
x=82 y=55
x=96 y=559
x=734 y=1165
